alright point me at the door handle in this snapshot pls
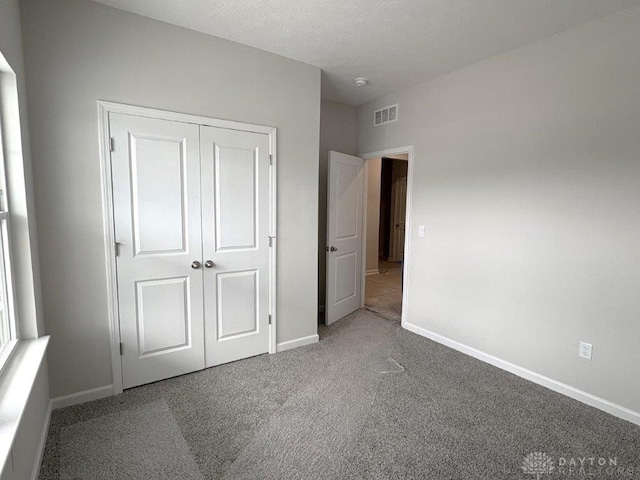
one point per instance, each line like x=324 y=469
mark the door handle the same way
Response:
x=209 y=264
x=333 y=249
x=195 y=265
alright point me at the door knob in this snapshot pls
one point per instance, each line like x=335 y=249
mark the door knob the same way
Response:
x=195 y=265
x=333 y=249
x=209 y=264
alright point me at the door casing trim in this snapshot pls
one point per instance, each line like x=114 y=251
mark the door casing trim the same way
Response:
x=104 y=109
x=407 y=243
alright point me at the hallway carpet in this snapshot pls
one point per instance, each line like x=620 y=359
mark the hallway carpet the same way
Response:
x=370 y=401
x=383 y=290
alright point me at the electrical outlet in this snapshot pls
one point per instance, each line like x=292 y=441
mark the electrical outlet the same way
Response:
x=585 y=350
x=421 y=231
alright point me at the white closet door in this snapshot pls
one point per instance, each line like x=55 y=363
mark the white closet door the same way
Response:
x=235 y=227
x=156 y=197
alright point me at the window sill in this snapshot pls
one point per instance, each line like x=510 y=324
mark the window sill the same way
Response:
x=16 y=382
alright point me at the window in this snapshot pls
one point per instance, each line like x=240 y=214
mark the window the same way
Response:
x=8 y=326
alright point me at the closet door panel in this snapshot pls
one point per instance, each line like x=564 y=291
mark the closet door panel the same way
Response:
x=156 y=198
x=235 y=226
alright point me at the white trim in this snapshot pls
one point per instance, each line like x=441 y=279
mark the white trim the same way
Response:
x=273 y=187
x=298 y=342
x=42 y=444
x=109 y=244
x=82 y=397
x=16 y=384
x=374 y=271
x=407 y=238
x=363 y=248
x=104 y=109
x=11 y=155
x=559 y=387
x=7 y=350
x=111 y=107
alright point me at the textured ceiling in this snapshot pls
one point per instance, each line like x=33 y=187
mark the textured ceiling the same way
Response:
x=393 y=43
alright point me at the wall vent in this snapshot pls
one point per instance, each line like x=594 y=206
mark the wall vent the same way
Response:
x=385 y=115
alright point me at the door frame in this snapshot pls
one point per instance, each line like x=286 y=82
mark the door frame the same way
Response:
x=408 y=150
x=104 y=109
x=395 y=205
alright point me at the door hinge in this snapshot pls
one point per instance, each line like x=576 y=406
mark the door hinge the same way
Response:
x=270 y=160
x=112 y=144
x=271 y=241
x=121 y=348
x=270 y=319
x=116 y=248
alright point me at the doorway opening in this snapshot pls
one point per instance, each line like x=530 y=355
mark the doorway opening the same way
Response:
x=385 y=233
x=353 y=222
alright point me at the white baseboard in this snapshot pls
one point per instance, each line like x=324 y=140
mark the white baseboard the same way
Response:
x=375 y=271
x=298 y=342
x=559 y=387
x=82 y=397
x=42 y=444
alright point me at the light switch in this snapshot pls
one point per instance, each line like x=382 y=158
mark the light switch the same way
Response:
x=421 y=230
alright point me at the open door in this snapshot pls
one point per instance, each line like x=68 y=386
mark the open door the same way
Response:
x=344 y=235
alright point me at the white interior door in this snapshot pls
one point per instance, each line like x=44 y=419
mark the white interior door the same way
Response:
x=344 y=235
x=156 y=197
x=235 y=223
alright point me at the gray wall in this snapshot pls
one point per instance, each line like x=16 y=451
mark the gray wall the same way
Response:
x=527 y=178
x=79 y=52
x=337 y=133
x=25 y=255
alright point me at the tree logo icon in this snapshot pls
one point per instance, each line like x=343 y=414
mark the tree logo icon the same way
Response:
x=537 y=463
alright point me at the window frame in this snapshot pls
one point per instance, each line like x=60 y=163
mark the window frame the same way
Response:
x=7 y=282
